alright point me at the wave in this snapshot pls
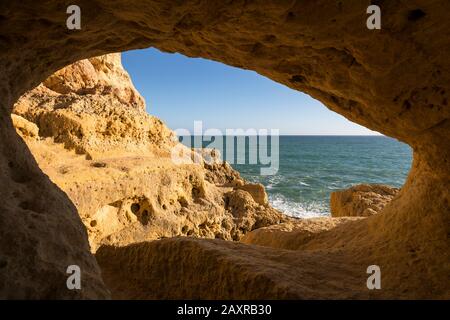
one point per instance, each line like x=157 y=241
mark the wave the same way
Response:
x=298 y=210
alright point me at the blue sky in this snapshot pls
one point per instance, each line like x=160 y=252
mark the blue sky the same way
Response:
x=180 y=90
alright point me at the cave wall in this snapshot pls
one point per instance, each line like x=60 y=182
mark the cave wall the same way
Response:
x=394 y=80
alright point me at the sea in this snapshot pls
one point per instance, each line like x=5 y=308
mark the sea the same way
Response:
x=311 y=167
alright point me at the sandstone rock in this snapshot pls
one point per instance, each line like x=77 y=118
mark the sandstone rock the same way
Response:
x=114 y=161
x=394 y=80
x=25 y=127
x=293 y=235
x=102 y=75
x=361 y=200
x=215 y=269
x=257 y=191
x=93 y=108
x=249 y=214
x=222 y=174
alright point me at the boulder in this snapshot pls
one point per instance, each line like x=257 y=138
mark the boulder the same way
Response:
x=257 y=191
x=361 y=200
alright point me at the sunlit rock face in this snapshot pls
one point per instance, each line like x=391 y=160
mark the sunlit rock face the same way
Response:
x=362 y=200
x=89 y=132
x=394 y=80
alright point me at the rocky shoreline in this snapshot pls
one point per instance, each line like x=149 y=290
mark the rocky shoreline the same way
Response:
x=393 y=81
x=87 y=128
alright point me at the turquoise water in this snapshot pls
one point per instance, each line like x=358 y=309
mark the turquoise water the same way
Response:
x=311 y=167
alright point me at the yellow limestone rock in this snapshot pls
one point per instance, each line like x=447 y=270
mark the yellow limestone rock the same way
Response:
x=113 y=160
x=394 y=80
x=361 y=200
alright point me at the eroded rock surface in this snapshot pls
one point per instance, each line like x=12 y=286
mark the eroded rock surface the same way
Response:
x=361 y=200
x=293 y=235
x=92 y=107
x=213 y=269
x=395 y=80
x=88 y=130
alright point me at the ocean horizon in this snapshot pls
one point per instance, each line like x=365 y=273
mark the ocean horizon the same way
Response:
x=313 y=166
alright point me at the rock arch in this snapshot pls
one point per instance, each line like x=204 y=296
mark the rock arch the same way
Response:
x=395 y=80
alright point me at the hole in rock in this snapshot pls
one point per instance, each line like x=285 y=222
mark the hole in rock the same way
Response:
x=183 y=202
x=319 y=150
x=135 y=207
x=145 y=217
x=386 y=80
x=3 y=263
x=99 y=164
x=416 y=14
x=316 y=152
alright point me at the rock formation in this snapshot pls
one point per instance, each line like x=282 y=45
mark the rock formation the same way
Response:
x=395 y=80
x=210 y=269
x=88 y=130
x=362 y=200
x=292 y=235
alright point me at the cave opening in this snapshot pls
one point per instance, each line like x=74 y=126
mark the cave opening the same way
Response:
x=388 y=83
x=74 y=132
x=207 y=103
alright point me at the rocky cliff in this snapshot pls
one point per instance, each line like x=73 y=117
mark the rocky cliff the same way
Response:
x=395 y=80
x=87 y=127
